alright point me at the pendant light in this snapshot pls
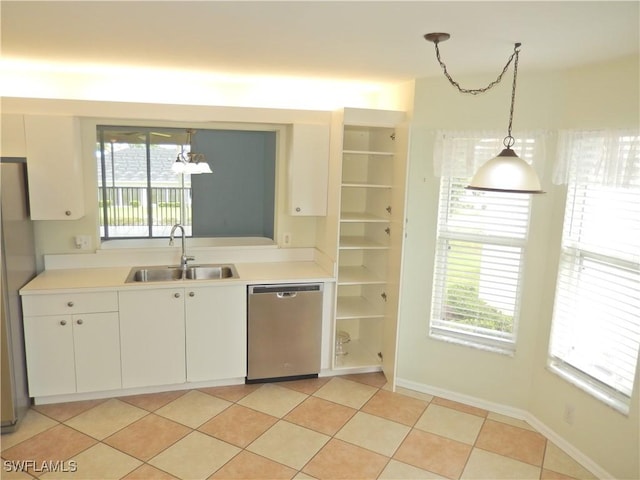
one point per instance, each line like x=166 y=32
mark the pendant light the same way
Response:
x=189 y=163
x=506 y=172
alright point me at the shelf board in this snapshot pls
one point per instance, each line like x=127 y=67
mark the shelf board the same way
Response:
x=358 y=275
x=362 y=217
x=368 y=152
x=366 y=185
x=360 y=243
x=357 y=357
x=356 y=307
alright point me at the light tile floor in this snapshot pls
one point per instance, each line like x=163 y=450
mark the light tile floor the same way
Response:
x=329 y=428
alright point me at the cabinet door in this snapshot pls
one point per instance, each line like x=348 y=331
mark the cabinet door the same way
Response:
x=396 y=246
x=152 y=337
x=216 y=332
x=50 y=356
x=308 y=170
x=54 y=161
x=96 y=338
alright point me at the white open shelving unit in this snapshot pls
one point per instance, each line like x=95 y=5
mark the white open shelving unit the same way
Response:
x=368 y=154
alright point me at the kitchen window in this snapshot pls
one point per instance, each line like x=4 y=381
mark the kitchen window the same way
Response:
x=595 y=334
x=140 y=197
x=481 y=240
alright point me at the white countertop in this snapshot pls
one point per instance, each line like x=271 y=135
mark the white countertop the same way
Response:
x=109 y=278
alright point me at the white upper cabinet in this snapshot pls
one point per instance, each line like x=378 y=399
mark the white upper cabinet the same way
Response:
x=54 y=167
x=308 y=169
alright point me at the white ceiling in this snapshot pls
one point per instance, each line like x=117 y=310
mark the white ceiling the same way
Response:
x=372 y=41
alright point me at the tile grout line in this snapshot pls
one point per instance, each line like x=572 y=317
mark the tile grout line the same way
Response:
x=333 y=436
x=474 y=445
x=405 y=437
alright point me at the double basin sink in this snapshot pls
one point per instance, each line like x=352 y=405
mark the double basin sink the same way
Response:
x=166 y=273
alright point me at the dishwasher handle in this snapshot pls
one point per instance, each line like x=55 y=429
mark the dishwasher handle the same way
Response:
x=286 y=294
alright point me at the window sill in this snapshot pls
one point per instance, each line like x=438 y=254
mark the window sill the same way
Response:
x=471 y=342
x=190 y=242
x=606 y=397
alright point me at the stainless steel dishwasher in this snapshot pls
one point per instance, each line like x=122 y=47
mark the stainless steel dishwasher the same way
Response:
x=284 y=331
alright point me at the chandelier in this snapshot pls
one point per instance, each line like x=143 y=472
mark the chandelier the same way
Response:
x=189 y=162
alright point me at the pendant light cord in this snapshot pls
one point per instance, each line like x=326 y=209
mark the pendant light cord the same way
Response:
x=509 y=140
x=476 y=91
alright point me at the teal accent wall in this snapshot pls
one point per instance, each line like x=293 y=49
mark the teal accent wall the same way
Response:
x=238 y=199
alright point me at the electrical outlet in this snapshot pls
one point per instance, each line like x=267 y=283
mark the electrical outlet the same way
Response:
x=569 y=414
x=82 y=242
x=286 y=239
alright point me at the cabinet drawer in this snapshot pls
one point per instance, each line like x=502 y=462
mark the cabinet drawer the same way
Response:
x=70 y=303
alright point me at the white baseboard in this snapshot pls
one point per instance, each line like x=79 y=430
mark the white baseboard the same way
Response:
x=513 y=412
x=74 y=397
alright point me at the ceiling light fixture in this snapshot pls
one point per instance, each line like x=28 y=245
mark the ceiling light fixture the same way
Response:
x=506 y=172
x=189 y=163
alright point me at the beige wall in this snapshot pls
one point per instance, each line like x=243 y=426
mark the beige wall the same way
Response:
x=596 y=96
x=605 y=95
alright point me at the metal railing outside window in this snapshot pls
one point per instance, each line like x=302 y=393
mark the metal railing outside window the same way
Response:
x=128 y=207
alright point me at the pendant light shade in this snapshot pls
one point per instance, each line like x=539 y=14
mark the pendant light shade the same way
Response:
x=202 y=167
x=184 y=164
x=178 y=166
x=506 y=173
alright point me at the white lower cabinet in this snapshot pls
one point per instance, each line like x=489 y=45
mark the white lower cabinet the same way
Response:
x=72 y=353
x=152 y=337
x=96 y=341
x=174 y=335
x=108 y=341
x=49 y=352
x=216 y=332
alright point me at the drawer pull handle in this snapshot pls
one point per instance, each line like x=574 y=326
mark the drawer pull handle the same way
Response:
x=192 y=294
x=63 y=322
x=69 y=304
x=67 y=213
x=80 y=321
x=177 y=295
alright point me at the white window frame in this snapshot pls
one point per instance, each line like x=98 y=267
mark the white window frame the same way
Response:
x=592 y=164
x=453 y=176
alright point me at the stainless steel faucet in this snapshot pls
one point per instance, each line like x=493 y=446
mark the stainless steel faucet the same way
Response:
x=184 y=258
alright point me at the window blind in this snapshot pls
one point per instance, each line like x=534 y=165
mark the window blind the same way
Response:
x=596 y=321
x=478 y=267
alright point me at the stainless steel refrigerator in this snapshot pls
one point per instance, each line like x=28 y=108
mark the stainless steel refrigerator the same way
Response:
x=17 y=253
